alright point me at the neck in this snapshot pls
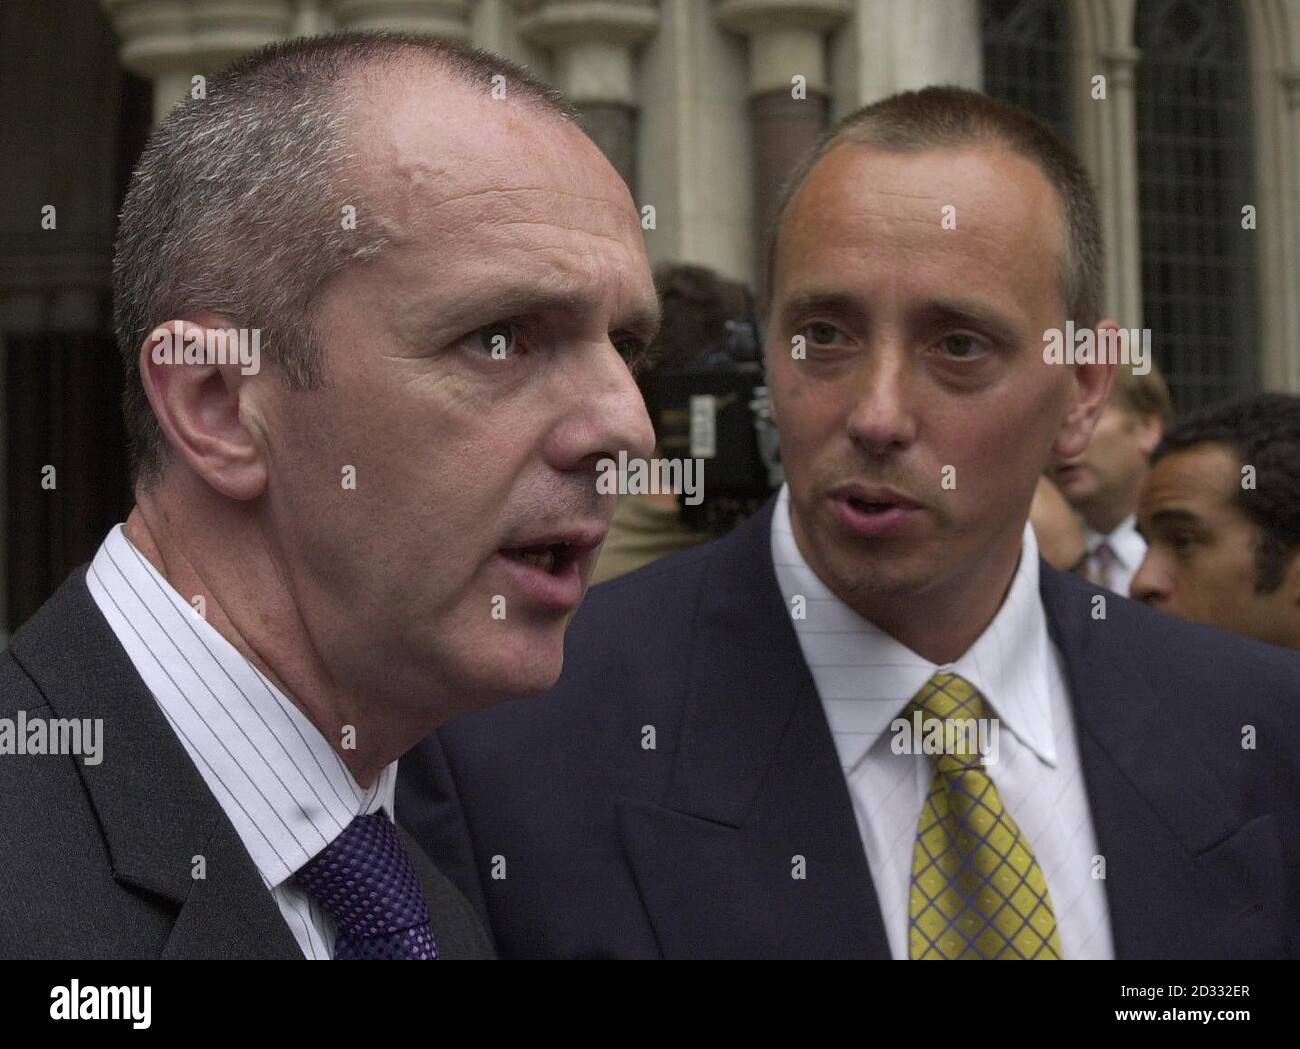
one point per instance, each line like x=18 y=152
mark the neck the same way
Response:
x=1110 y=509
x=205 y=547
x=941 y=622
x=1105 y=519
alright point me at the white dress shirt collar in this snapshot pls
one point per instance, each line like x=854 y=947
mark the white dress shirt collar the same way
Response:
x=851 y=659
x=277 y=779
x=1128 y=545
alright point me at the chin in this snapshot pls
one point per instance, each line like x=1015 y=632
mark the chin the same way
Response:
x=876 y=578
x=1077 y=487
x=528 y=669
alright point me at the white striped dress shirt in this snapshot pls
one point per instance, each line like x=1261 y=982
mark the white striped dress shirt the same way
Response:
x=279 y=782
x=865 y=679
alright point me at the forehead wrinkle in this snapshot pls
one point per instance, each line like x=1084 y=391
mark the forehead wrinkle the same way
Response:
x=957 y=192
x=507 y=191
x=474 y=209
x=976 y=229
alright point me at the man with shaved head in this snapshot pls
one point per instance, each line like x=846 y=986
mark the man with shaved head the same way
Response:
x=754 y=748
x=378 y=300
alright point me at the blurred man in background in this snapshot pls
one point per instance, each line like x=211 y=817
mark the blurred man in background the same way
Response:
x=697 y=304
x=1103 y=483
x=1057 y=529
x=1221 y=510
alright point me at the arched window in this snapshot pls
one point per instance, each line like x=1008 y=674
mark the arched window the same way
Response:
x=1027 y=58
x=1194 y=177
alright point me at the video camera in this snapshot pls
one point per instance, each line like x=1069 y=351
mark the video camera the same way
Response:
x=719 y=410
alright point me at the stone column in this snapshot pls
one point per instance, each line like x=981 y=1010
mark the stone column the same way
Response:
x=593 y=45
x=1279 y=257
x=1106 y=139
x=1274 y=30
x=788 y=84
x=171 y=41
x=1120 y=207
x=902 y=45
x=448 y=19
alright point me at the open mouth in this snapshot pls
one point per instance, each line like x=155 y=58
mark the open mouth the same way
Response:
x=865 y=507
x=874 y=514
x=553 y=558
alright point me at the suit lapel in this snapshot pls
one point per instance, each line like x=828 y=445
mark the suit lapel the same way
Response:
x=1184 y=877
x=229 y=913
x=756 y=795
x=154 y=810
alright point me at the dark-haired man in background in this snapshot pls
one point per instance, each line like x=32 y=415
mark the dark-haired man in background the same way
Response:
x=388 y=524
x=1221 y=510
x=722 y=771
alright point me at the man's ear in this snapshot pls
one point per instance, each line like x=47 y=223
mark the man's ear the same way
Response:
x=1091 y=387
x=198 y=404
x=1150 y=429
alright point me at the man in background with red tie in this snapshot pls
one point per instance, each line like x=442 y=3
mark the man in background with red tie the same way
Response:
x=1103 y=483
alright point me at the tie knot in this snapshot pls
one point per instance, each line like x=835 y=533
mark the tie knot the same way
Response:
x=365 y=882
x=951 y=709
x=1104 y=563
x=948 y=696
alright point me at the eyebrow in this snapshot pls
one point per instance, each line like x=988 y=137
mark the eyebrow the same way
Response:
x=962 y=313
x=843 y=303
x=1171 y=517
x=1175 y=517
x=530 y=300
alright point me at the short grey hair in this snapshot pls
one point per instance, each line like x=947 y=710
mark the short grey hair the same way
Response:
x=236 y=205
x=939 y=117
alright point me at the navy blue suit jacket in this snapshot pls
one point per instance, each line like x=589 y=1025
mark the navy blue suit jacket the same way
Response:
x=609 y=848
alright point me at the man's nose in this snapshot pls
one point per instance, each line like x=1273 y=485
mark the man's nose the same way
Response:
x=881 y=417
x=605 y=413
x=1151 y=582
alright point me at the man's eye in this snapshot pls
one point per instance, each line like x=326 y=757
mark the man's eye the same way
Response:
x=497 y=341
x=820 y=333
x=962 y=346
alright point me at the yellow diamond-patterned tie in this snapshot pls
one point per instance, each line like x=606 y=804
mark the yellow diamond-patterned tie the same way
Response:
x=977 y=891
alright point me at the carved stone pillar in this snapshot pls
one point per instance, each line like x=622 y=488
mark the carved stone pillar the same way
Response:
x=593 y=43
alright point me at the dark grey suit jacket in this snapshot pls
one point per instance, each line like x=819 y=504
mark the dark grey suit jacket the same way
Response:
x=95 y=860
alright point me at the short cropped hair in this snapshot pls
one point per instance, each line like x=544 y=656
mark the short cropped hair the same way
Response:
x=1144 y=395
x=944 y=117
x=1263 y=432
x=236 y=205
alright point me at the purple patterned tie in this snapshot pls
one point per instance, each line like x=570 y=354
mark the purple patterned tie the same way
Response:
x=365 y=882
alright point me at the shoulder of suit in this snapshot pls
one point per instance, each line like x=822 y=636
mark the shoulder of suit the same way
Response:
x=1170 y=651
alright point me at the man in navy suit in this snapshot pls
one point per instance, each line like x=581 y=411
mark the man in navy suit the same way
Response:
x=728 y=765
